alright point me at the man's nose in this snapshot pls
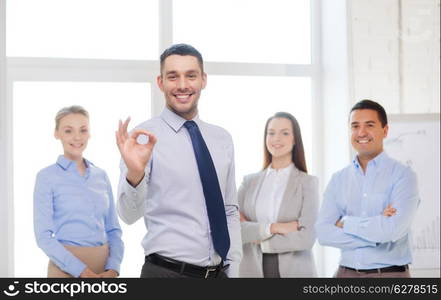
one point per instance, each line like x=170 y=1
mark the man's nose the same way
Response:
x=182 y=84
x=362 y=131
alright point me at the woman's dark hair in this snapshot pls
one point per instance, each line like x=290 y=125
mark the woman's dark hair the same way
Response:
x=298 y=153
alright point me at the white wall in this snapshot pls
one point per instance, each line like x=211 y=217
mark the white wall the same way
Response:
x=420 y=56
x=373 y=29
x=395 y=53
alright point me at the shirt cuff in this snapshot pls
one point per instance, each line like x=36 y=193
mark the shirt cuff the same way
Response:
x=265 y=246
x=352 y=225
x=233 y=270
x=75 y=268
x=113 y=264
x=265 y=231
x=137 y=194
x=343 y=219
x=355 y=226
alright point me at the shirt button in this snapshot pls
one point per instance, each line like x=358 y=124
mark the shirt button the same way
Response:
x=364 y=195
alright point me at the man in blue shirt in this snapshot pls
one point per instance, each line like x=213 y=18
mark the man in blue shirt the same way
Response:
x=368 y=206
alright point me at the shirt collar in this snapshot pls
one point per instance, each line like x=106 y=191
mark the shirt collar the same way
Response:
x=175 y=121
x=283 y=171
x=66 y=163
x=376 y=161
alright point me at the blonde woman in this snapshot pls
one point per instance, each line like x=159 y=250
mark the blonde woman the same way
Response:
x=75 y=220
x=278 y=207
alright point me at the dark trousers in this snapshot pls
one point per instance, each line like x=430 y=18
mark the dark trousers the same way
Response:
x=270 y=265
x=150 y=270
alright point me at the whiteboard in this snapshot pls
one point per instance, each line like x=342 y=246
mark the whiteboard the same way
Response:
x=414 y=140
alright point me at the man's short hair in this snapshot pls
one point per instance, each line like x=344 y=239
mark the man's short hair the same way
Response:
x=182 y=49
x=369 y=104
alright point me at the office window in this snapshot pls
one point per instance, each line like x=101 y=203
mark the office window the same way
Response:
x=35 y=106
x=261 y=31
x=244 y=112
x=111 y=29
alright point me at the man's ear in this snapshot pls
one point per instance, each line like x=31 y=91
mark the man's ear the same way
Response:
x=386 y=130
x=56 y=134
x=204 y=80
x=160 y=82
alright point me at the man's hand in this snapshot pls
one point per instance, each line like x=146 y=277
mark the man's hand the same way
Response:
x=135 y=155
x=389 y=211
x=242 y=217
x=284 y=228
x=109 y=274
x=339 y=223
x=88 y=273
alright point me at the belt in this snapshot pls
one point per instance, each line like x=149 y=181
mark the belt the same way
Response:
x=186 y=268
x=379 y=270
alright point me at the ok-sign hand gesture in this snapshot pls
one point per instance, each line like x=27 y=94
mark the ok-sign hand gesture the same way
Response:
x=135 y=155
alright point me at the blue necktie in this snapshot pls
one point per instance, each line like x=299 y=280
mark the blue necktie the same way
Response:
x=212 y=192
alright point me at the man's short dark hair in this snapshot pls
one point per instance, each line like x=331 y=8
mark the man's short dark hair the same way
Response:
x=369 y=104
x=182 y=49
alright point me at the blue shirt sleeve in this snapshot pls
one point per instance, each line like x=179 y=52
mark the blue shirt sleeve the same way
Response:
x=381 y=229
x=327 y=233
x=45 y=232
x=113 y=231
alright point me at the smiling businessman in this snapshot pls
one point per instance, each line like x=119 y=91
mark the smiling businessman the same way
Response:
x=368 y=206
x=182 y=181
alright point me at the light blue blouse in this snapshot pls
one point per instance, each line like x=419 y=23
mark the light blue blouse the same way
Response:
x=70 y=209
x=368 y=239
